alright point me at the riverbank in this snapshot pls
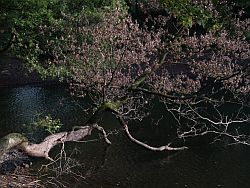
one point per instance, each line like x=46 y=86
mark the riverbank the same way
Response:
x=13 y=74
x=21 y=178
x=15 y=170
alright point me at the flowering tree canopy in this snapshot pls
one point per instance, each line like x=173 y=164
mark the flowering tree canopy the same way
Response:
x=124 y=65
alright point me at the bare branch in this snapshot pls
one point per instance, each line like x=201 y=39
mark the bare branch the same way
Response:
x=103 y=132
x=161 y=148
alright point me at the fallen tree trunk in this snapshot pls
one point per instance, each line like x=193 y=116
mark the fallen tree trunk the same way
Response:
x=16 y=140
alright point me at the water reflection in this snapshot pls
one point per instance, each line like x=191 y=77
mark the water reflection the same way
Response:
x=124 y=164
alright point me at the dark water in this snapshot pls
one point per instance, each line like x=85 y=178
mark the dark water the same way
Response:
x=123 y=164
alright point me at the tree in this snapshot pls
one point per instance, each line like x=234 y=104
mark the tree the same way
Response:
x=124 y=67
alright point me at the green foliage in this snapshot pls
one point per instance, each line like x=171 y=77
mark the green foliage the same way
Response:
x=25 y=19
x=54 y=71
x=48 y=123
x=187 y=13
x=78 y=5
x=213 y=15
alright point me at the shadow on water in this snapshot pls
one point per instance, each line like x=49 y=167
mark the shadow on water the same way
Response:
x=123 y=164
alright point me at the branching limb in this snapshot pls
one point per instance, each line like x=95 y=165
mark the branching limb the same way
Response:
x=42 y=149
x=99 y=128
x=219 y=127
x=161 y=148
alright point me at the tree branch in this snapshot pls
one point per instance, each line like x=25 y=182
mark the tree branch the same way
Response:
x=152 y=148
x=15 y=140
x=99 y=128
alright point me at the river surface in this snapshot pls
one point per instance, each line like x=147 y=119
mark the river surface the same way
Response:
x=122 y=164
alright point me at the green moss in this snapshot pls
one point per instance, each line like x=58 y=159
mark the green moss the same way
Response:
x=11 y=140
x=111 y=105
